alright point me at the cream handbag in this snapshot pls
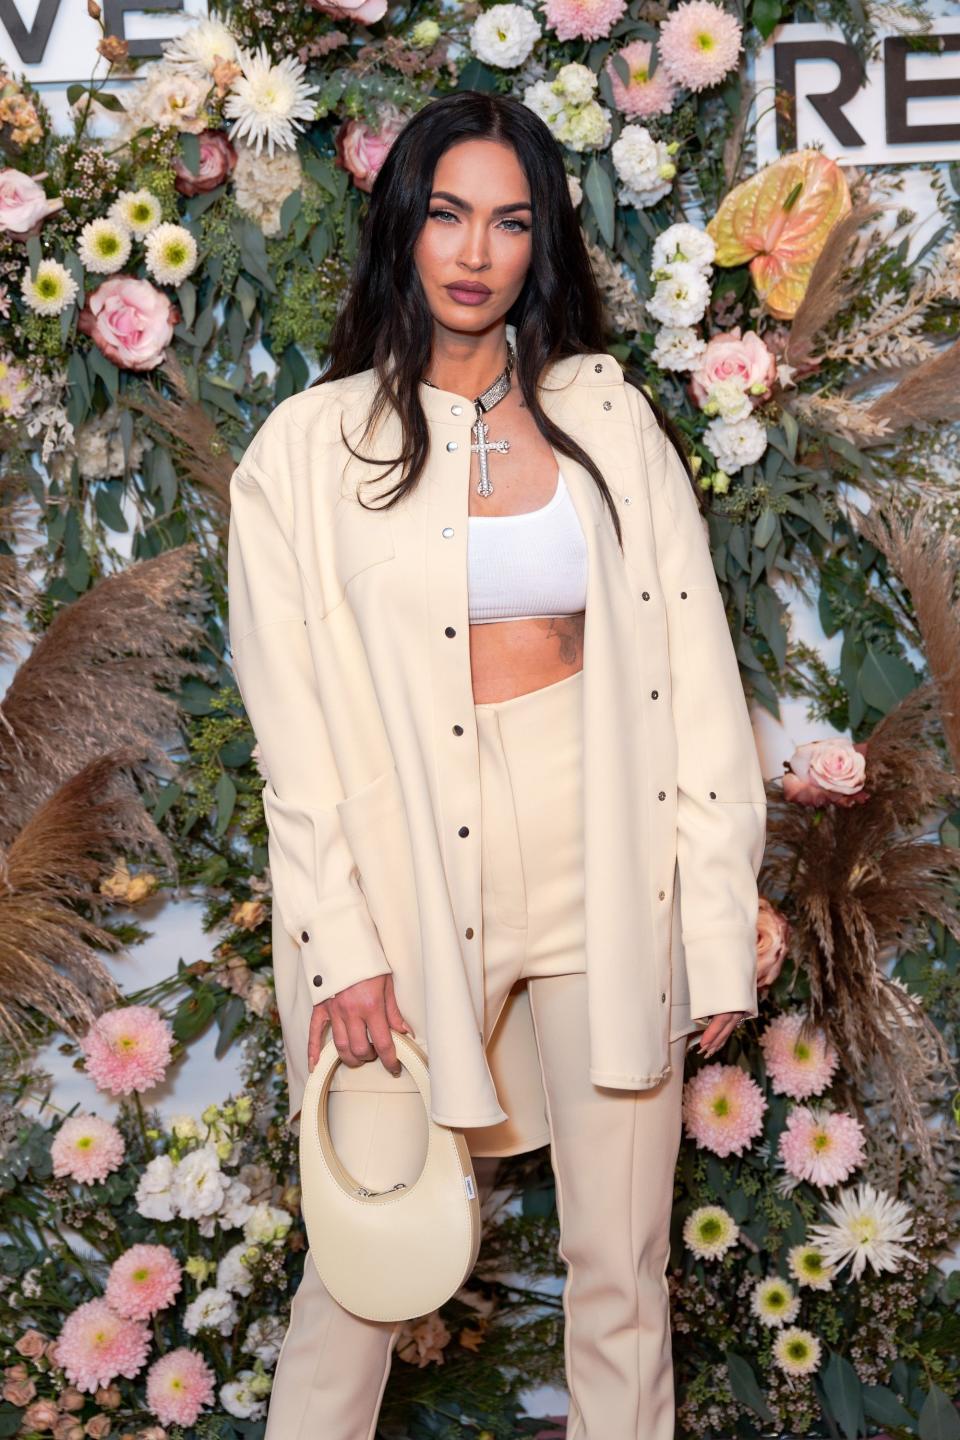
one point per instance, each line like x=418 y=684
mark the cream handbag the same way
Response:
x=392 y=1254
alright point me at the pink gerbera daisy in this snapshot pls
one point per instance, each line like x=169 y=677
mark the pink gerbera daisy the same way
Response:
x=821 y=1146
x=643 y=94
x=96 y=1345
x=797 y=1067
x=583 y=19
x=699 y=44
x=128 y=1049
x=86 y=1148
x=723 y=1109
x=143 y=1280
x=179 y=1384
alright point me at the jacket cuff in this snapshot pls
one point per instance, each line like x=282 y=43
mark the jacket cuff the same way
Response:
x=339 y=946
x=722 y=973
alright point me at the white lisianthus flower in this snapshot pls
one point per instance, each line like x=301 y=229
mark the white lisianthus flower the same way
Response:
x=269 y=103
x=588 y=128
x=542 y=99
x=213 y=1309
x=137 y=210
x=644 y=165
x=677 y=347
x=735 y=443
x=51 y=290
x=575 y=83
x=239 y=1397
x=504 y=35
x=170 y=253
x=264 y=1338
x=233 y=1273
x=198 y=1184
x=681 y=298
x=104 y=246
x=154 y=1195
x=236 y=1208
x=728 y=399
x=683 y=244
x=267 y=1224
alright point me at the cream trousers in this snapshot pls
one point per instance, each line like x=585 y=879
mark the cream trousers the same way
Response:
x=613 y=1152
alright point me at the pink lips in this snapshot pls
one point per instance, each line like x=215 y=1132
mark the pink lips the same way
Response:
x=467 y=296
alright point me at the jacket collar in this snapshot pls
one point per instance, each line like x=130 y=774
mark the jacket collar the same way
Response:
x=448 y=407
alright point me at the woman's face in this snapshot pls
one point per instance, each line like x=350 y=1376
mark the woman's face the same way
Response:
x=478 y=230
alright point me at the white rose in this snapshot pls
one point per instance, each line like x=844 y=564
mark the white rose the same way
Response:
x=504 y=35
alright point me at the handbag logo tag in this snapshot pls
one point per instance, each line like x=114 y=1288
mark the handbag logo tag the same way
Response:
x=468 y=1182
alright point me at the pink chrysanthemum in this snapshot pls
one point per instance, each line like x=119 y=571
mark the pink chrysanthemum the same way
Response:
x=143 y=1280
x=643 y=94
x=723 y=1109
x=128 y=1049
x=583 y=19
x=699 y=44
x=96 y=1345
x=179 y=1384
x=86 y=1148
x=821 y=1146
x=798 y=1068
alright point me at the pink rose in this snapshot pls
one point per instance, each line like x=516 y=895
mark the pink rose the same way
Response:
x=773 y=932
x=19 y=1392
x=361 y=12
x=361 y=151
x=826 y=772
x=31 y=1344
x=41 y=1415
x=217 y=159
x=745 y=360
x=130 y=321
x=23 y=203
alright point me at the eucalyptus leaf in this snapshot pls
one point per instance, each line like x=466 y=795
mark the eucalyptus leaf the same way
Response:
x=844 y=1391
x=885 y=679
x=598 y=189
x=226 y=798
x=938 y=1419
x=229 y=1018
x=745 y=1387
x=107 y=505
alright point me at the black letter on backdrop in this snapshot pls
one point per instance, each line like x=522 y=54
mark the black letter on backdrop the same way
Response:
x=29 y=44
x=115 y=11
x=898 y=90
x=829 y=105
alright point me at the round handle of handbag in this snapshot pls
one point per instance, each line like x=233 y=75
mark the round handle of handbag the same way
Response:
x=398 y=1253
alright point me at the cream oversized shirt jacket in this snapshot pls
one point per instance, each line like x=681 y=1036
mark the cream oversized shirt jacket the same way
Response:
x=350 y=642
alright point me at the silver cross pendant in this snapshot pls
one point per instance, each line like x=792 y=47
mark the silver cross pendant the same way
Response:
x=483 y=447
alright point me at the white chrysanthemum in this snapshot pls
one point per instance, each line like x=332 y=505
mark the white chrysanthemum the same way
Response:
x=213 y=1309
x=796 y=1351
x=677 y=347
x=728 y=399
x=239 y=1397
x=735 y=443
x=684 y=244
x=104 y=246
x=575 y=83
x=170 y=253
x=51 y=290
x=138 y=210
x=542 y=99
x=808 y=1267
x=504 y=35
x=774 y=1301
x=644 y=165
x=586 y=128
x=268 y=103
x=681 y=298
x=267 y=1224
x=233 y=1272
x=870 y=1227
x=198 y=1184
x=200 y=47
x=263 y=1339
x=710 y=1231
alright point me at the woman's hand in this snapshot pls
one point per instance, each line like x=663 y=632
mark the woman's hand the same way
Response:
x=369 y=1005
x=719 y=1030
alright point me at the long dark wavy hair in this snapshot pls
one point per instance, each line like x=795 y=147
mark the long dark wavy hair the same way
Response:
x=385 y=313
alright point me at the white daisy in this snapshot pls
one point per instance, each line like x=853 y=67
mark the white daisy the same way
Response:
x=104 y=246
x=200 y=47
x=504 y=35
x=268 y=102
x=710 y=1231
x=138 y=210
x=796 y=1351
x=869 y=1226
x=51 y=290
x=773 y=1301
x=808 y=1267
x=170 y=254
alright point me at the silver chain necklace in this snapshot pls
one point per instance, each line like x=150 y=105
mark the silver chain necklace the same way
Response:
x=484 y=402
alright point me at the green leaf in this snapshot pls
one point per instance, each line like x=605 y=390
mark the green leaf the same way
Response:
x=228 y=1018
x=844 y=1391
x=167 y=796
x=187 y=299
x=938 y=1418
x=769 y=610
x=883 y=1406
x=289 y=210
x=766 y=16
x=105 y=370
x=226 y=798
x=107 y=505
x=791 y=431
x=193 y=1015
x=190 y=150
x=744 y=1386
x=34 y=254
x=885 y=679
x=765 y=528
x=598 y=189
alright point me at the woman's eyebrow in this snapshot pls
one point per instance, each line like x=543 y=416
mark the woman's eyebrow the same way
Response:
x=465 y=204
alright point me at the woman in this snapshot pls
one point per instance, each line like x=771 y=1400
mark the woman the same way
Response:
x=513 y=799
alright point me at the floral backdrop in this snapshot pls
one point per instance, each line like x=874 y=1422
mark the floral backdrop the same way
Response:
x=808 y=350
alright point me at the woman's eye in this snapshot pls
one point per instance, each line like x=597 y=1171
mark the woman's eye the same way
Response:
x=521 y=227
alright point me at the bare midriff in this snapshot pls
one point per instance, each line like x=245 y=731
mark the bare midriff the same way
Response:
x=512 y=657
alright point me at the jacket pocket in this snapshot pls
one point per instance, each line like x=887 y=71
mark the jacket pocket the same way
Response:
x=374 y=821
x=361 y=538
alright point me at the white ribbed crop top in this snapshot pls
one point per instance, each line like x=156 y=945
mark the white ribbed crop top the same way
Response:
x=522 y=567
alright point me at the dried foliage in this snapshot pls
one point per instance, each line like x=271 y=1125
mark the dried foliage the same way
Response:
x=891 y=337
x=860 y=882
x=623 y=309
x=929 y=394
x=831 y=285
